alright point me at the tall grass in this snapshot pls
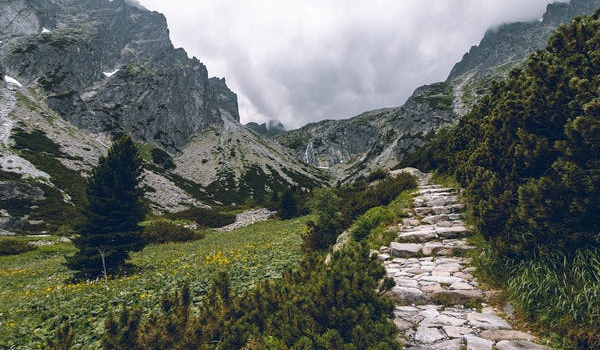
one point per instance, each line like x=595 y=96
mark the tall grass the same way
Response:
x=561 y=293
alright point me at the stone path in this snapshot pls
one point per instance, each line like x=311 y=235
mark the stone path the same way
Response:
x=441 y=304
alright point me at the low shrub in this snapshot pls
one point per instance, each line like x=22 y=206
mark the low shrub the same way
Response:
x=13 y=246
x=205 y=217
x=377 y=174
x=339 y=305
x=163 y=231
x=363 y=226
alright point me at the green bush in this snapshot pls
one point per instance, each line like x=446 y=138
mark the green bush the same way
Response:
x=339 y=305
x=163 y=231
x=363 y=226
x=12 y=246
x=377 y=174
x=204 y=217
x=360 y=197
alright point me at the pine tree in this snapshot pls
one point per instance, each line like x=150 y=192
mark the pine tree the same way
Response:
x=288 y=206
x=113 y=210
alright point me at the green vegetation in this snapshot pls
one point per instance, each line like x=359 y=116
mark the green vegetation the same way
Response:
x=372 y=225
x=323 y=231
x=528 y=156
x=377 y=174
x=113 y=210
x=204 y=217
x=165 y=231
x=37 y=148
x=288 y=206
x=13 y=246
x=338 y=305
x=35 y=300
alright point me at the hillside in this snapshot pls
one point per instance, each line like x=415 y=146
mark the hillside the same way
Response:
x=528 y=156
x=383 y=138
x=77 y=74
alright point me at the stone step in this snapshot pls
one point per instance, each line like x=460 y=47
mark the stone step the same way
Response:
x=431 y=276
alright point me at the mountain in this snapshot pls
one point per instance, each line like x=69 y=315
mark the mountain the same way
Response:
x=78 y=73
x=353 y=147
x=270 y=129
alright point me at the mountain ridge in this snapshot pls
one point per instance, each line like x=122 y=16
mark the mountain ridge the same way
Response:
x=498 y=52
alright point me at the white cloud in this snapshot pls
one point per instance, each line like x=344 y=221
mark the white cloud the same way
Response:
x=306 y=60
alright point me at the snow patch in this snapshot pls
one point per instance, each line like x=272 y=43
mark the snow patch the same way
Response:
x=46 y=31
x=110 y=74
x=541 y=19
x=11 y=80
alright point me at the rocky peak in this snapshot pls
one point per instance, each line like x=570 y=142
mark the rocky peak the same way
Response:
x=110 y=66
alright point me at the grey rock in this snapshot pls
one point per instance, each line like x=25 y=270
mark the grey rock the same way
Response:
x=518 y=345
x=476 y=343
x=427 y=335
x=457 y=332
x=405 y=250
x=409 y=295
x=453 y=344
x=457 y=297
x=434 y=219
x=402 y=324
x=504 y=334
x=487 y=321
x=417 y=236
x=15 y=190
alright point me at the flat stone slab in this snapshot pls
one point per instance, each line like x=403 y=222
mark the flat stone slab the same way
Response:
x=402 y=324
x=457 y=297
x=454 y=344
x=452 y=231
x=427 y=335
x=417 y=236
x=456 y=331
x=405 y=250
x=477 y=343
x=518 y=345
x=487 y=321
x=506 y=334
x=409 y=295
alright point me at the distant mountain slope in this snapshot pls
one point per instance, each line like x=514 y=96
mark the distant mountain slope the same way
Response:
x=79 y=72
x=382 y=138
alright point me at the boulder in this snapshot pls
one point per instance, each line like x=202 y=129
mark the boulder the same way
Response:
x=487 y=321
x=477 y=343
x=405 y=250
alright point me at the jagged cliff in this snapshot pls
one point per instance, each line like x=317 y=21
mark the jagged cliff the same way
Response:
x=79 y=72
x=382 y=138
x=108 y=66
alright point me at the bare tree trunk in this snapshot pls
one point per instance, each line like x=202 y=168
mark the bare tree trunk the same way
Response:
x=103 y=266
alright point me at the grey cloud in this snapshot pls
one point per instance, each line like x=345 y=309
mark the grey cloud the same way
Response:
x=303 y=61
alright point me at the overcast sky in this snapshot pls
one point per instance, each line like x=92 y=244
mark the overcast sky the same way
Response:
x=301 y=61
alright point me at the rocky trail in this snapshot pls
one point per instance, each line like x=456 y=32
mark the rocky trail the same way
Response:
x=443 y=306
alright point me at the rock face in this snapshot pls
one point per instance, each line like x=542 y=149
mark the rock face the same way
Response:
x=109 y=66
x=15 y=190
x=376 y=139
x=89 y=70
x=507 y=47
x=270 y=129
x=382 y=138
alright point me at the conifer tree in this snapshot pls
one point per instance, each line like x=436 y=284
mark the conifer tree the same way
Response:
x=112 y=212
x=288 y=206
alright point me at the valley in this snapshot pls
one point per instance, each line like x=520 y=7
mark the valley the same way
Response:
x=138 y=212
